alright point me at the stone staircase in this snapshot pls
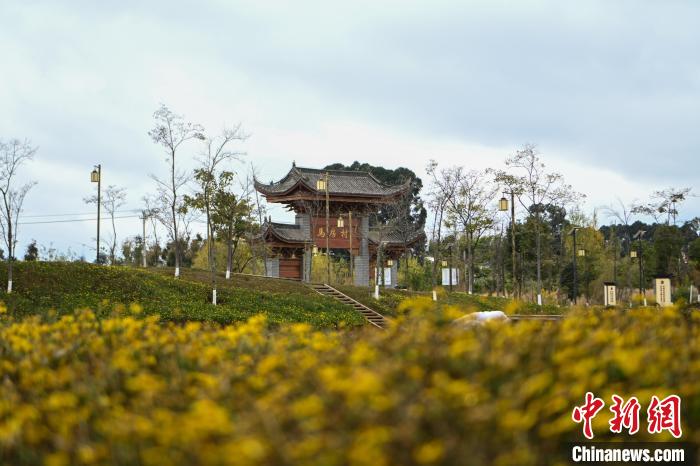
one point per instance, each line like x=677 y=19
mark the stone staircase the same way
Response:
x=372 y=316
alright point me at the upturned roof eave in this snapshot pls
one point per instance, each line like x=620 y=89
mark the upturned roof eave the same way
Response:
x=301 y=180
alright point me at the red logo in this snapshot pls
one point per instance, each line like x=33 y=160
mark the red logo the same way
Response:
x=587 y=412
x=625 y=415
x=665 y=415
x=662 y=415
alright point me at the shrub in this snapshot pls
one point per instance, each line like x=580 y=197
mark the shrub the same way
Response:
x=126 y=390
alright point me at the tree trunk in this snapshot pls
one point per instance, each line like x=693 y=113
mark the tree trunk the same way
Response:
x=173 y=211
x=437 y=246
x=10 y=251
x=538 y=240
x=114 y=241
x=470 y=261
x=229 y=255
x=210 y=252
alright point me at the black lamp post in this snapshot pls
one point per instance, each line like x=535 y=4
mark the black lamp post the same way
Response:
x=503 y=207
x=640 y=256
x=450 y=265
x=575 y=252
x=322 y=185
x=582 y=253
x=96 y=177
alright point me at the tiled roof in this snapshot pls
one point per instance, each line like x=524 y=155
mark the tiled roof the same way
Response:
x=340 y=182
x=396 y=238
x=285 y=231
x=293 y=233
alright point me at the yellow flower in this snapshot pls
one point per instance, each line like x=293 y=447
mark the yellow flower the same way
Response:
x=429 y=452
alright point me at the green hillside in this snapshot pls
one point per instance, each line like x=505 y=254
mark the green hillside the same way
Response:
x=43 y=286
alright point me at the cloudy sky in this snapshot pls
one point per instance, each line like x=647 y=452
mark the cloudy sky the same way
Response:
x=608 y=90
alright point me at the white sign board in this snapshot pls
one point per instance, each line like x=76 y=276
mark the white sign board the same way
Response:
x=610 y=294
x=387 y=276
x=446 y=277
x=662 y=290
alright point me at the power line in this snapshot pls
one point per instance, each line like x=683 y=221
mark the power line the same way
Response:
x=77 y=220
x=78 y=213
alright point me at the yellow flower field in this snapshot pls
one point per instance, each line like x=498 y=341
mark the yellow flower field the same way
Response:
x=130 y=390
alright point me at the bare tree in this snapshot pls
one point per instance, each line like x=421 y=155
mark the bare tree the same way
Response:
x=216 y=152
x=171 y=131
x=471 y=207
x=621 y=212
x=535 y=188
x=405 y=225
x=13 y=154
x=662 y=202
x=150 y=204
x=258 y=209
x=111 y=200
x=442 y=188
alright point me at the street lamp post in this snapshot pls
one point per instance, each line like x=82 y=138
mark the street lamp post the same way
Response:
x=640 y=257
x=582 y=253
x=322 y=185
x=450 y=265
x=341 y=224
x=96 y=177
x=503 y=207
x=575 y=252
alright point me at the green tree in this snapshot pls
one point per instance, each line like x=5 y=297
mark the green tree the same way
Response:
x=216 y=152
x=667 y=243
x=32 y=252
x=232 y=218
x=393 y=177
x=535 y=188
x=694 y=252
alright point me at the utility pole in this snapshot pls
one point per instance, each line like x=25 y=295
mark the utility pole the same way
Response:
x=96 y=177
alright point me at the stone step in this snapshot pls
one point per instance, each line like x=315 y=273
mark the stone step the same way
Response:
x=370 y=315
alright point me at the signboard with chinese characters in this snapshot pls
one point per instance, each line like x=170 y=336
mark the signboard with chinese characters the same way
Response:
x=662 y=290
x=338 y=237
x=610 y=294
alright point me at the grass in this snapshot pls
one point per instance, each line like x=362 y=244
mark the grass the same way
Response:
x=43 y=287
x=250 y=282
x=389 y=300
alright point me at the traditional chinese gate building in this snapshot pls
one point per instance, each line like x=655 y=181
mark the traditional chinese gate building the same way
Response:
x=352 y=195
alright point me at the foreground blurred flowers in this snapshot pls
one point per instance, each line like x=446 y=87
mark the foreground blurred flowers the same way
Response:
x=131 y=390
